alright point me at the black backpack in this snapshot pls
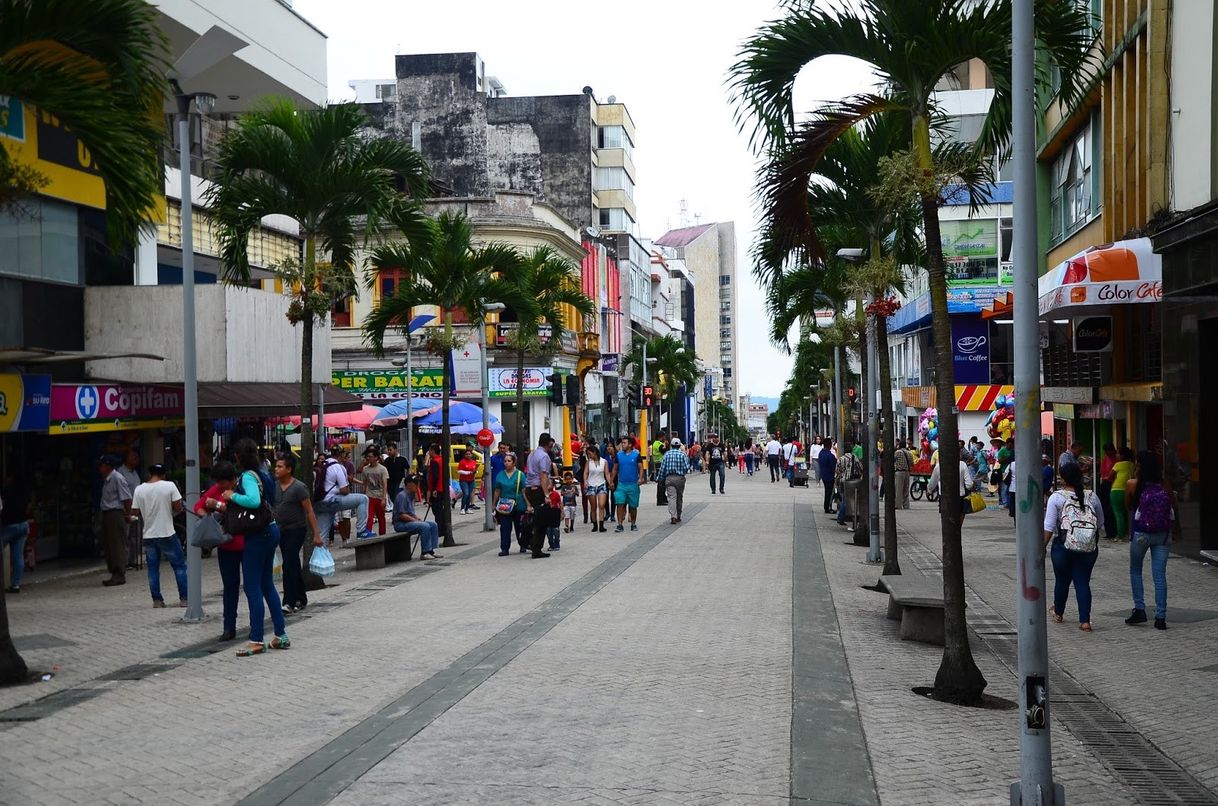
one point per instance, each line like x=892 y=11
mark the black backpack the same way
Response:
x=319 y=481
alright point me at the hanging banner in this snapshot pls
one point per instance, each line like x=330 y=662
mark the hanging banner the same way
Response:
x=25 y=402
x=1092 y=334
x=467 y=370
x=970 y=349
x=389 y=385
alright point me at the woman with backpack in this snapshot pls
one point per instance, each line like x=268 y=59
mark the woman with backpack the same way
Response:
x=1154 y=519
x=1074 y=518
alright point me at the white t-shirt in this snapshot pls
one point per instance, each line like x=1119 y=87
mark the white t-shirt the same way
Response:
x=773 y=447
x=814 y=451
x=155 y=500
x=336 y=479
x=788 y=451
x=596 y=472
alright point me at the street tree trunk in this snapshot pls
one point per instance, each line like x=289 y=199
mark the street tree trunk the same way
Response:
x=445 y=499
x=12 y=665
x=307 y=447
x=521 y=448
x=892 y=564
x=958 y=679
x=862 y=525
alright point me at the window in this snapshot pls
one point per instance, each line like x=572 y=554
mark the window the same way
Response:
x=43 y=243
x=386 y=91
x=1073 y=197
x=616 y=219
x=725 y=347
x=614 y=179
x=725 y=320
x=725 y=332
x=725 y=305
x=340 y=314
x=725 y=279
x=613 y=137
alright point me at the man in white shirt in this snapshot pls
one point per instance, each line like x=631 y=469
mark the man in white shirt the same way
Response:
x=773 y=453
x=789 y=451
x=814 y=454
x=155 y=502
x=337 y=496
x=966 y=480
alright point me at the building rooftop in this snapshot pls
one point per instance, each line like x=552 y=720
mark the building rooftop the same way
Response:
x=683 y=237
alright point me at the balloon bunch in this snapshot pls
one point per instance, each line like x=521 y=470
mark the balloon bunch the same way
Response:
x=1001 y=422
x=928 y=427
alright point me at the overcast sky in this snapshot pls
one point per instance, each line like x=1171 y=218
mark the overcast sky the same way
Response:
x=667 y=60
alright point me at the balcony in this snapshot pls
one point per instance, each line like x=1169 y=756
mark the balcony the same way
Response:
x=243 y=335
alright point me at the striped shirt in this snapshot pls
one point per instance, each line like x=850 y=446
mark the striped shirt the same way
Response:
x=675 y=463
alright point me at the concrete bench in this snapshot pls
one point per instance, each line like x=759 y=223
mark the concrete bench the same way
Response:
x=917 y=602
x=375 y=552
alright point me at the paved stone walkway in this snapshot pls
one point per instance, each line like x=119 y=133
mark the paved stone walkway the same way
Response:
x=733 y=658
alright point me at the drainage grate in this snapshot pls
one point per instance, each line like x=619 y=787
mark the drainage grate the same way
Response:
x=1133 y=760
x=25 y=643
x=139 y=671
x=50 y=704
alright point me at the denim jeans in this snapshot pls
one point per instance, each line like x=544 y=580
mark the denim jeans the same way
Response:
x=15 y=535
x=467 y=494
x=748 y=462
x=230 y=575
x=258 y=568
x=326 y=510
x=1076 y=567
x=716 y=469
x=508 y=523
x=428 y=532
x=1156 y=544
x=291 y=544
x=156 y=548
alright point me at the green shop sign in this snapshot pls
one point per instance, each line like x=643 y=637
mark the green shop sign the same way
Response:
x=972 y=237
x=390 y=384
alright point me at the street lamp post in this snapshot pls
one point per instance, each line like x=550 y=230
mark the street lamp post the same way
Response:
x=1035 y=784
x=487 y=525
x=190 y=379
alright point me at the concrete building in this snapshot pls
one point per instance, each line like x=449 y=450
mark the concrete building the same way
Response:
x=709 y=254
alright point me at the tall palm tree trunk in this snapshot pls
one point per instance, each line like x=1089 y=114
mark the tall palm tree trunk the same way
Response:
x=12 y=665
x=862 y=525
x=892 y=564
x=521 y=447
x=445 y=499
x=958 y=679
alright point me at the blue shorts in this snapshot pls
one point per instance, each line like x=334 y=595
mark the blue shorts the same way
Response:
x=626 y=495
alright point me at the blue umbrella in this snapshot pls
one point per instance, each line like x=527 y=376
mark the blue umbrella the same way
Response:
x=463 y=418
x=400 y=411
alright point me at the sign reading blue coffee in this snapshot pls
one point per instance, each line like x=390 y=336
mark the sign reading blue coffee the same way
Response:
x=970 y=349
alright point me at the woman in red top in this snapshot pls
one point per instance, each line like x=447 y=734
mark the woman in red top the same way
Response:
x=466 y=469
x=224 y=476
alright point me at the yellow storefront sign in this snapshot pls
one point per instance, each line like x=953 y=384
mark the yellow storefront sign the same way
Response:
x=40 y=141
x=97 y=426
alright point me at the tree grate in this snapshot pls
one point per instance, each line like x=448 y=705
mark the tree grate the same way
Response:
x=48 y=705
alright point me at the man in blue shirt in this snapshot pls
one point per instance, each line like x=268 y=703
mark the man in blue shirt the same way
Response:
x=827 y=466
x=497 y=461
x=627 y=478
x=405 y=520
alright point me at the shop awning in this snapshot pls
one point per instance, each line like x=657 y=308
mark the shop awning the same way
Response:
x=1000 y=307
x=961 y=301
x=267 y=399
x=38 y=355
x=1112 y=274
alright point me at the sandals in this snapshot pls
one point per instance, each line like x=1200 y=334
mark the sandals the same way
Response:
x=1085 y=626
x=1057 y=618
x=251 y=649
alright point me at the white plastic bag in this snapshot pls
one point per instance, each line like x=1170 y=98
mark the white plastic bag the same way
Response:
x=277 y=569
x=321 y=562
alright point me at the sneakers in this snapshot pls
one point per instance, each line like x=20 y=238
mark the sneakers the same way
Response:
x=618 y=528
x=634 y=527
x=1137 y=617
x=182 y=603
x=13 y=589
x=504 y=553
x=1160 y=624
x=158 y=603
x=367 y=533
x=540 y=556
x=112 y=581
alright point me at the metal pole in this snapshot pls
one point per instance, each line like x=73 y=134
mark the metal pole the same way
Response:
x=873 y=437
x=1035 y=784
x=321 y=416
x=190 y=379
x=410 y=408
x=487 y=525
x=837 y=397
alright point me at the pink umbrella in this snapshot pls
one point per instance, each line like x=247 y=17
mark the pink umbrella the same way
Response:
x=351 y=420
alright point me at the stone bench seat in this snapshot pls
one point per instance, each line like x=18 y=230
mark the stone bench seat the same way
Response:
x=917 y=602
x=376 y=552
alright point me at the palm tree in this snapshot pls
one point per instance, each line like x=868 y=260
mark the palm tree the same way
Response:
x=314 y=166
x=98 y=66
x=674 y=365
x=910 y=46
x=445 y=270
x=547 y=282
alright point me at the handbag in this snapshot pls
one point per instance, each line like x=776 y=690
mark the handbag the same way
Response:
x=209 y=533
x=508 y=507
x=239 y=520
x=975 y=503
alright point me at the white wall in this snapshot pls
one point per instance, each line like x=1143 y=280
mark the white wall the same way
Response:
x=1192 y=93
x=242 y=335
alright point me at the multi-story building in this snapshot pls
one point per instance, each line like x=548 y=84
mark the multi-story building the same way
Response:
x=95 y=327
x=572 y=156
x=709 y=254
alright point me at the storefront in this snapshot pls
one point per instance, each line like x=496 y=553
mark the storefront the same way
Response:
x=1190 y=373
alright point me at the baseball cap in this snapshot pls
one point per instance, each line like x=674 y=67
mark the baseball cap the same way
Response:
x=676 y=443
